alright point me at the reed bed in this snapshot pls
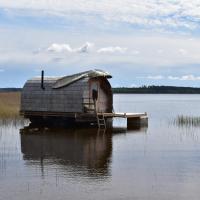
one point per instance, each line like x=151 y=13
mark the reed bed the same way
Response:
x=189 y=121
x=9 y=105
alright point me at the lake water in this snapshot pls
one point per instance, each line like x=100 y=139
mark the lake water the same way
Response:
x=161 y=161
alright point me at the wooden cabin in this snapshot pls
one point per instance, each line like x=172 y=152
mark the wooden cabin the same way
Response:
x=67 y=97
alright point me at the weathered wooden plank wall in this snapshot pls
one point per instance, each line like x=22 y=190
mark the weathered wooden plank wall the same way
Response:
x=65 y=99
x=73 y=98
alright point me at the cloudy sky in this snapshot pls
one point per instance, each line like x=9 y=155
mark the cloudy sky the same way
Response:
x=139 y=42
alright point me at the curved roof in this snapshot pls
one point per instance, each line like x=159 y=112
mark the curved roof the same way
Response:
x=67 y=80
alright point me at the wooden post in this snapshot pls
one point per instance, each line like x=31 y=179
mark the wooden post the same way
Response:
x=133 y=122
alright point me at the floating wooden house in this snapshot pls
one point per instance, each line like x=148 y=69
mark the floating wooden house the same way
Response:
x=85 y=97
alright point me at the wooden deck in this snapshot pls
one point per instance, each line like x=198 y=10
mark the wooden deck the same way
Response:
x=123 y=115
x=133 y=119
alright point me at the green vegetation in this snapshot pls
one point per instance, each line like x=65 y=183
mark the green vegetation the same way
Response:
x=9 y=105
x=157 y=90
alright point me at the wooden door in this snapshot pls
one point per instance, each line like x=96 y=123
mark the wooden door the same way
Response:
x=94 y=93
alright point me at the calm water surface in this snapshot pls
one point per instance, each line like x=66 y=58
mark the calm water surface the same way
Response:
x=158 y=162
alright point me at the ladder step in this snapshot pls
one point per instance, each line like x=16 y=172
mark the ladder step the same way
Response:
x=101 y=121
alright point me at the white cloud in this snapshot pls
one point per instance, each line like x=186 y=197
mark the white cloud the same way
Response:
x=147 y=45
x=112 y=50
x=135 y=52
x=183 y=51
x=160 y=51
x=61 y=48
x=156 y=77
x=189 y=77
x=158 y=13
x=173 y=77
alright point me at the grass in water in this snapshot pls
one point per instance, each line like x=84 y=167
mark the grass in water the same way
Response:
x=182 y=120
x=9 y=105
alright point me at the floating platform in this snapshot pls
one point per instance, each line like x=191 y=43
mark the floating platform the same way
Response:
x=123 y=115
x=133 y=119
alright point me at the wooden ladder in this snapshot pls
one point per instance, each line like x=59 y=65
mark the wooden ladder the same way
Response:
x=101 y=121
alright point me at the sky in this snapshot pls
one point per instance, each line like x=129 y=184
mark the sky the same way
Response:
x=149 y=42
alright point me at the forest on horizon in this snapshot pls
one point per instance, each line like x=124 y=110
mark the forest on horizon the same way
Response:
x=139 y=90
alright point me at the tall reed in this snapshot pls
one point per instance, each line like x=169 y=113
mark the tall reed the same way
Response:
x=188 y=121
x=9 y=105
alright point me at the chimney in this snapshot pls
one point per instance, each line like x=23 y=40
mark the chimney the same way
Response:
x=42 y=80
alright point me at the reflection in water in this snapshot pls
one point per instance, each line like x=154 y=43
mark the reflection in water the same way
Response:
x=77 y=148
x=14 y=122
x=85 y=152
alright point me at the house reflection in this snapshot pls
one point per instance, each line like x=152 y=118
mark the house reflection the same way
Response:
x=86 y=152
x=77 y=148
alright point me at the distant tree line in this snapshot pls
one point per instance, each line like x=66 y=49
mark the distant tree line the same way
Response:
x=139 y=90
x=10 y=89
x=156 y=90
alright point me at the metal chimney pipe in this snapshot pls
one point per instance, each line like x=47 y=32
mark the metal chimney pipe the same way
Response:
x=42 y=80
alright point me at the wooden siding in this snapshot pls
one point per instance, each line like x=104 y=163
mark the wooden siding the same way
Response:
x=74 y=98
x=65 y=99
